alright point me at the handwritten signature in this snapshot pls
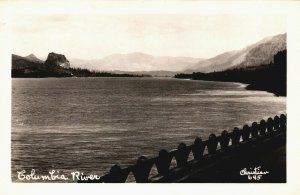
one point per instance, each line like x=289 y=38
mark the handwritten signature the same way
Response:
x=254 y=173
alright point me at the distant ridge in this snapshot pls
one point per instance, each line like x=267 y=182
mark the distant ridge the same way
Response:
x=256 y=54
x=137 y=62
x=33 y=58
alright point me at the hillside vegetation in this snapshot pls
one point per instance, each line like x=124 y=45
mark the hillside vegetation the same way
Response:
x=269 y=77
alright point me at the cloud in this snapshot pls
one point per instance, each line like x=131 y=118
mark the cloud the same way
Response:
x=97 y=35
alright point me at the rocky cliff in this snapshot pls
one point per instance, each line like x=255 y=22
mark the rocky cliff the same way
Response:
x=56 y=65
x=55 y=59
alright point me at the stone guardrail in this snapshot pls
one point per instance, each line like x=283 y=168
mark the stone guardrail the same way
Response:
x=227 y=142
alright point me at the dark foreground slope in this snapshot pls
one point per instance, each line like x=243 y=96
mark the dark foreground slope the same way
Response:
x=269 y=77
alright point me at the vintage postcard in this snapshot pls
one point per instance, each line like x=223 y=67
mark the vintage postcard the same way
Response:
x=140 y=92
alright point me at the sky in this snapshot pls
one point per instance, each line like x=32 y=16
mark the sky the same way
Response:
x=93 y=36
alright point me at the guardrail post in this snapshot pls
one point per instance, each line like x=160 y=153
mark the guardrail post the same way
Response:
x=198 y=148
x=270 y=125
x=142 y=169
x=182 y=154
x=235 y=136
x=163 y=162
x=246 y=133
x=212 y=144
x=116 y=175
x=276 y=123
x=224 y=139
x=282 y=122
x=262 y=128
x=254 y=130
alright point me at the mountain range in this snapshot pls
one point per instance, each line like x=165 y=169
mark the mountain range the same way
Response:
x=256 y=54
x=259 y=53
x=136 y=62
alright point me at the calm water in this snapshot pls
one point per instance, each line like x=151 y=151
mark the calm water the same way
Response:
x=89 y=124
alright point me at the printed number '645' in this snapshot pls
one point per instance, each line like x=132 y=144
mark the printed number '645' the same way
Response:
x=254 y=177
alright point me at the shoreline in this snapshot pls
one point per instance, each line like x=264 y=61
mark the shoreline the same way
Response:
x=277 y=91
x=252 y=86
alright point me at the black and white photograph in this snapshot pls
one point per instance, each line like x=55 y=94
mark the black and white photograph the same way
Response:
x=101 y=94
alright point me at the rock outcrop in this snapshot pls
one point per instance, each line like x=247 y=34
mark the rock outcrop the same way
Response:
x=55 y=59
x=30 y=66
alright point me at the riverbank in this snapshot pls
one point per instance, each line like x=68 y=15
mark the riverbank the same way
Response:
x=270 y=77
x=278 y=89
